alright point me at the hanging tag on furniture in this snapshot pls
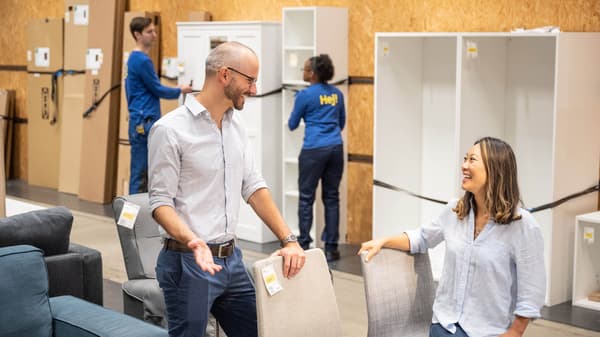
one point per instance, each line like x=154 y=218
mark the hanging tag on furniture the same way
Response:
x=588 y=235
x=270 y=279
x=128 y=215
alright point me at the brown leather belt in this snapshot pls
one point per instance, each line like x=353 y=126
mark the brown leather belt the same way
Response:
x=220 y=250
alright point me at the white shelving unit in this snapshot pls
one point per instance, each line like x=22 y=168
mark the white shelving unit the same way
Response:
x=260 y=114
x=310 y=31
x=586 y=262
x=436 y=93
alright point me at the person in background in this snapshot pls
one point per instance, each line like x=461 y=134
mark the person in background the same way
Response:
x=493 y=280
x=200 y=166
x=321 y=106
x=143 y=91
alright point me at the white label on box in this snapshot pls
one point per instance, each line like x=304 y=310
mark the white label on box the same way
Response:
x=128 y=215
x=42 y=57
x=93 y=59
x=270 y=279
x=81 y=14
x=588 y=235
x=29 y=56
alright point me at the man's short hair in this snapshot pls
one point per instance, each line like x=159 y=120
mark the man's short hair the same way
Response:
x=227 y=53
x=138 y=24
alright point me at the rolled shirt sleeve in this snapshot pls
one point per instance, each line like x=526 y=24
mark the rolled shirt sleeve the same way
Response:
x=163 y=166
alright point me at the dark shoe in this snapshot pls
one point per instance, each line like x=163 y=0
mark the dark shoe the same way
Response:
x=332 y=255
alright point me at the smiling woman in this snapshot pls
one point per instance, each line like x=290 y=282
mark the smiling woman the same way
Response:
x=492 y=248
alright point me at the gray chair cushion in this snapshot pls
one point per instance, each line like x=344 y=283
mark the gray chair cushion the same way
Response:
x=47 y=229
x=24 y=307
x=400 y=290
x=142 y=244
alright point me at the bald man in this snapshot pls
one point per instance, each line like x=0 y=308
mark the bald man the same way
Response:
x=200 y=166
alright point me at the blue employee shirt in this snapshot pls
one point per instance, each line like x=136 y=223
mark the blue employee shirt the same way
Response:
x=143 y=88
x=322 y=108
x=485 y=281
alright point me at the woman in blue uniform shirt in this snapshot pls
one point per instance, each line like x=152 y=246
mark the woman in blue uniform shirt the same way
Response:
x=321 y=106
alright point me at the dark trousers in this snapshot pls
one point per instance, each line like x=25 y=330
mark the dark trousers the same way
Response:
x=327 y=165
x=138 y=169
x=437 y=330
x=191 y=293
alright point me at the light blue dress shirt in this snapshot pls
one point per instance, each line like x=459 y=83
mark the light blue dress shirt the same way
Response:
x=485 y=281
x=201 y=171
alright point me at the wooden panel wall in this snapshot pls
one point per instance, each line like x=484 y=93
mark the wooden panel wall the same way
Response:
x=366 y=18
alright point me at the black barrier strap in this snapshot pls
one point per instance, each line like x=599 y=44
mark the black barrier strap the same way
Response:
x=398 y=189
x=531 y=210
x=94 y=105
x=565 y=199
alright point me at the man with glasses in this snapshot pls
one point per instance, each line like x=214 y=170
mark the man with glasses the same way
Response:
x=200 y=164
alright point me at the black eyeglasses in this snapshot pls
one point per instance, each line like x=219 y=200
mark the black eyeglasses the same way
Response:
x=251 y=80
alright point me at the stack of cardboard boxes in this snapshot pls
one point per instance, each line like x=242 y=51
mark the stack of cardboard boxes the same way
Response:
x=76 y=36
x=98 y=162
x=44 y=96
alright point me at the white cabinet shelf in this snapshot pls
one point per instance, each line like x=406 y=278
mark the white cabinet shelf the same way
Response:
x=586 y=260
x=436 y=93
x=307 y=32
x=260 y=115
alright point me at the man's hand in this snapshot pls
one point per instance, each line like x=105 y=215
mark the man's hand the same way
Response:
x=203 y=256
x=293 y=259
x=185 y=89
x=510 y=333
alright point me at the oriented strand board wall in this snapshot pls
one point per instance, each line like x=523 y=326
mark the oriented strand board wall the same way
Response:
x=366 y=18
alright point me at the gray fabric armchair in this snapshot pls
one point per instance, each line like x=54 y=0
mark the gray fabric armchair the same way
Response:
x=72 y=269
x=400 y=290
x=30 y=312
x=142 y=296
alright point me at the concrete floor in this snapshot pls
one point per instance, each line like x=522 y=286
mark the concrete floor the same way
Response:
x=99 y=232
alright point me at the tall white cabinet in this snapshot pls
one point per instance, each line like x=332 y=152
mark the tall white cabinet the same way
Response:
x=261 y=115
x=307 y=32
x=436 y=93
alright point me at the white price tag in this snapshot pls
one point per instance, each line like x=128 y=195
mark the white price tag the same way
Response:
x=588 y=235
x=270 y=279
x=128 y=215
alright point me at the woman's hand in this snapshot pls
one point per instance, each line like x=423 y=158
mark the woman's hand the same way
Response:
x=371 y=247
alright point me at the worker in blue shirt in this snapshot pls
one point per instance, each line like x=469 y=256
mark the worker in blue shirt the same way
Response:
x=321 y=106
x=143 y=90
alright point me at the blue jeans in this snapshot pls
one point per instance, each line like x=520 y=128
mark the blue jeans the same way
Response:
x=325 y=164
x=138 y=169
x=437 y=330
x=191 y=293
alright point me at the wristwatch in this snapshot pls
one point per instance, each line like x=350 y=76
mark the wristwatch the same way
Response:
x=290 y=238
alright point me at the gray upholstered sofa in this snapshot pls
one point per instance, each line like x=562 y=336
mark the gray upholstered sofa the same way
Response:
x=72 y=269
x=26 y=309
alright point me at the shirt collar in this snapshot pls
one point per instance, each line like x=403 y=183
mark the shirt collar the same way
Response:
x=196 y=108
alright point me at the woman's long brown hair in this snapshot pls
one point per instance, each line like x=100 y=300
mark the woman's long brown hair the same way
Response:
x=502 y=196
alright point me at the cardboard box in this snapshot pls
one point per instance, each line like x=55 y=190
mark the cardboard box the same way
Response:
x=76 y=35
x=71 y=112
x=128 y=46
x=122 y=187
x=100 y=128
x=45 y=45
x=43 y=129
